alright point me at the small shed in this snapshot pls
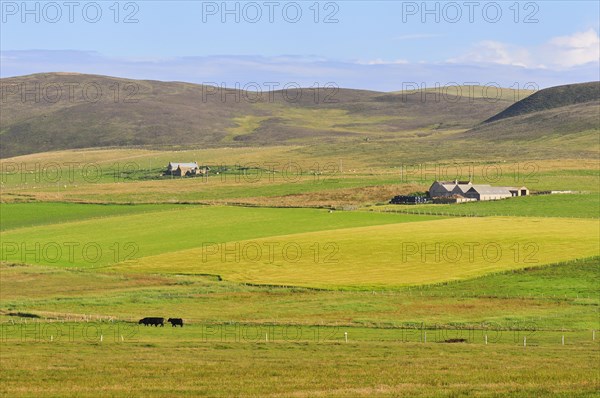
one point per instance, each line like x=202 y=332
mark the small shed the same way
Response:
x=519 y=191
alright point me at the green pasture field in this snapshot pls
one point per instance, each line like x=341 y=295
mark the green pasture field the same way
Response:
x=552 y=297
x=170 y=365
x=19 y=215
x=359 y=274
x=303 y=247
x=129 y=236
x=395 y=341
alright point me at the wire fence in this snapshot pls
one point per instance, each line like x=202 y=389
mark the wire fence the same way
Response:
x=94 y=328
x=459 y=214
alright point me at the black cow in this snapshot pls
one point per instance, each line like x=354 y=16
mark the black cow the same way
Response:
x=152 y=321
x=175 y=321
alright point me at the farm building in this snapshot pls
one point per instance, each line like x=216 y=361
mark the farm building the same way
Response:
x=449 y=188
x=409 y=200
x=486 y=192
x=452 y=199
x=185 y=169
x=468 y=190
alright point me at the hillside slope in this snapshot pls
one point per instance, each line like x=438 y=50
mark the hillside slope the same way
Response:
x=551 y=98
x=566 y=116
x=55 y=111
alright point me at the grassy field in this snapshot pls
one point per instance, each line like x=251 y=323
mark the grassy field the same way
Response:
x=104 y=241
x=300 y=278
x=293 y=176
x=19 y=215
x=160 y=365
x=553 y=297
x=395 y=341
x=302 y=247
x=384 y=256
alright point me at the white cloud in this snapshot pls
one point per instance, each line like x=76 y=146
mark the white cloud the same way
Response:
x=495 y=52
x=558 y=53
x=574 y=50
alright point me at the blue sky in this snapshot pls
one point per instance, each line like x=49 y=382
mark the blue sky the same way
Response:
x=382 y=45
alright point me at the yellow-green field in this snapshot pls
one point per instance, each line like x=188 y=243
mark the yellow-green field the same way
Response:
x=385 y=256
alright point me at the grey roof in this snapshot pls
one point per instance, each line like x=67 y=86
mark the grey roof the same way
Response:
x=457 y=188
x=183 y=165
x=489 y=190
x=463 y=187
x=450 y=185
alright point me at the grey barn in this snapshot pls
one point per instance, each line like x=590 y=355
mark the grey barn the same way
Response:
x=468 y=190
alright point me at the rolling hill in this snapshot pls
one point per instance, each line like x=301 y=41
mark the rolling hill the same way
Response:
x=54 y=111
x=552 y=98
x=570 y=112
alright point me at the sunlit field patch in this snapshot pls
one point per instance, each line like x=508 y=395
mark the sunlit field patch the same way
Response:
x=387 y=255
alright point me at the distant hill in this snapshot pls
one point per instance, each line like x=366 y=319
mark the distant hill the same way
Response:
x=54 y=111
x=565 y=112
x=551 y=98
